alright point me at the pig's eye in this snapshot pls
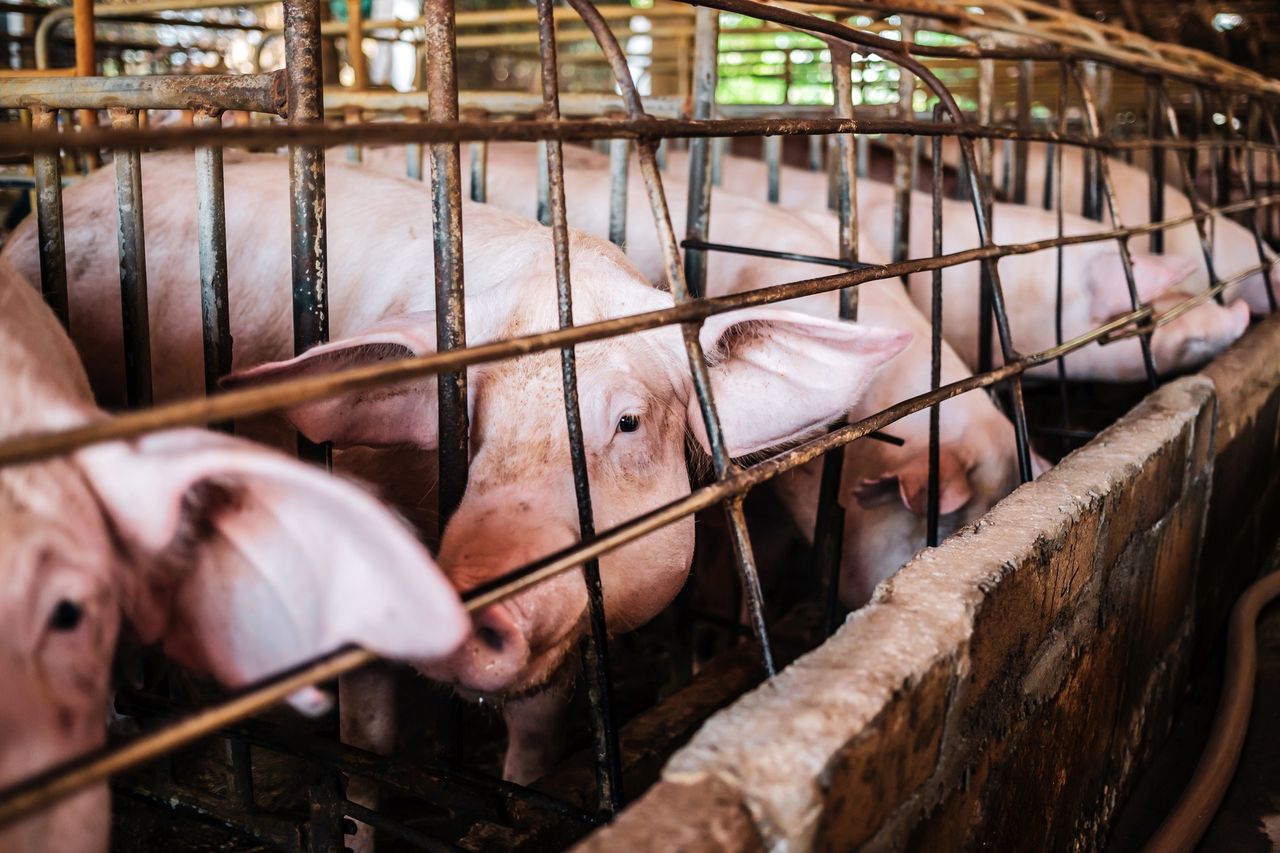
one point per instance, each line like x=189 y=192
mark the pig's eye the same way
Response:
x=628 y=423
x=66 y=616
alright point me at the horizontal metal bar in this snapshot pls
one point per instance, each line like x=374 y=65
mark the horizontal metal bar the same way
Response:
x=264 y=93
x=571 y=103
x=396 y=828
x=254 y=401
x=281 y=834
x=771 y=253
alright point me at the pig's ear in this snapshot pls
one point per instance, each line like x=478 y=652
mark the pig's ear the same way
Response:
x=778 y=375
x=378 y=417
x=1153 y=275
x=910 y=484
x=246 y=562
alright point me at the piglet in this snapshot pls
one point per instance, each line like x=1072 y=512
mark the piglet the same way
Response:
x=238 y=561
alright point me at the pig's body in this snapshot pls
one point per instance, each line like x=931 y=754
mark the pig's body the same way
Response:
x=1094 y=290
x=239 y=561
x=636 y=397
x=1234 y=249
x=883 y=486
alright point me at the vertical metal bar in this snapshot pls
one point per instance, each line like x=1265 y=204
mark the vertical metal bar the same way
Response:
x=1026 y=72
x=480 y=171
x=718 y=146
x=619 y=166
x=413 y=151
x=698 y=219
x=933 y=507
x=133 y=266
x=306 y=189
x=828 y=533
x=1126 y=259
x=1155 y=184
x=815 y=153
x=53 y=254
x=86 y=64
x=773 y=167
x=660 y=153
x=596 y=642
x=544 y=189
x=864 y=154
x=903 y=157
x=211 y=221
x=1249 y=178
x=446 y=211
x=1064 y=398
x=986 y=331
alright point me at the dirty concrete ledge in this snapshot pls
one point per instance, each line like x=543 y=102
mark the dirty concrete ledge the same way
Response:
x=1005 y=688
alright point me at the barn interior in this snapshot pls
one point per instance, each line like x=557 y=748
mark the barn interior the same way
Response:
x=1005 y=599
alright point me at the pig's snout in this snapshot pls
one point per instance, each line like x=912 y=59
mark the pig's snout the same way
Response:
x=494 y=656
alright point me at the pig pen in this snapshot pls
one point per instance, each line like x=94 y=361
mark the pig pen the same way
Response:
x=1029 y=664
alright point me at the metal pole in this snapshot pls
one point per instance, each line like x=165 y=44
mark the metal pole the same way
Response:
x=53 y=255
x=133 y=266
x=306 y=189
x=211 y=220
x=596 y=641
x=698 y=220
x=619 y=166
x=446 y=213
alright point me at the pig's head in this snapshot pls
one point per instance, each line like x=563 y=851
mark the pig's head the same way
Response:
x=776 y=376
x=240 y=562
x=1184 y=343
x=886 y=515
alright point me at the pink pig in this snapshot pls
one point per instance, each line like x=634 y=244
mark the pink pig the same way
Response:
x=1094 y=290
x=239 y=561
x=1234 y=248
x=885 y=487
x=770 y=371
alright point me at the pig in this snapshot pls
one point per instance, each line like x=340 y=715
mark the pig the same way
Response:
x=239 y=561
x=1234 y=249
x=1094 y=290
x=884 y=488
x=1188 y=341
x=770 y=372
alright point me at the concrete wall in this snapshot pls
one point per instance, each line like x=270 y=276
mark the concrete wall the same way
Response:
x=1005 y=688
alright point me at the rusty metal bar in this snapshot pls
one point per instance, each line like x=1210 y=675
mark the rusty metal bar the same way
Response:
x=904 y=152
x=133 y=267
x=382 y=133
x=309 y=251
x=1109 y=194
x=446 y=212
x=698 y=217
x=1155 y=184
x=53 y=254
x=595 y=642
x=828 y=533
x=86 y=64
x=263 y=93
x=543 y=212
x=934 y=497
x=1026 y=75
x=619 y=165
x=211 y=222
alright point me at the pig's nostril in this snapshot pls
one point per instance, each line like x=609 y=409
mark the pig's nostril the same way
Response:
x=491 y=637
